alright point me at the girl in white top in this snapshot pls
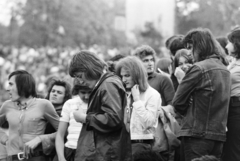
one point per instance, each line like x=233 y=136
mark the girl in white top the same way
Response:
x=143 y=103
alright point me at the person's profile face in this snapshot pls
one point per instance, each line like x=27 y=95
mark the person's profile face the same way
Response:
x=193 y=52
x=84 y=81
x=230 y=48
x=57 y=94
x=126 y=78
x=12 y=89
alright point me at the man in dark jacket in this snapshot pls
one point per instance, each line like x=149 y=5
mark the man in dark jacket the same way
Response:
x=203 y=97
x=159 y=82
x=103 y=136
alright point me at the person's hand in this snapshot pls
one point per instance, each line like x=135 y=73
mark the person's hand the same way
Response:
x=30 y=146
x=80 y=115
x=4 y=139
x=186 y=67
x=135 y=92
x=169 y=109
x=179 y=73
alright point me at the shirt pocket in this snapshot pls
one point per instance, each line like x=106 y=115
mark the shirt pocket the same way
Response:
x=33 y=126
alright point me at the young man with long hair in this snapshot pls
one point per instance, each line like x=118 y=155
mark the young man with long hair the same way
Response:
x=207 y=83
x=103 y=135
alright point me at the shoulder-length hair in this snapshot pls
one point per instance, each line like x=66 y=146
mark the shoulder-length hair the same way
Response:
x=181 y=53
x=25 y=83
x=136 y=69
x=203 y=41
x=234 y=38
x=89 y=63
x=66 y=85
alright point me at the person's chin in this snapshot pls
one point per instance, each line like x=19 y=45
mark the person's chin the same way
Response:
x=85 y=101
x=149 y=71
x=14 y=100
x=54 y=102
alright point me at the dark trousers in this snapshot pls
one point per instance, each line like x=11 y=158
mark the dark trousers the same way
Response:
x=68 y=153
x=198 y=147
x=179 y=152
x=231 y=148
x=140 y=147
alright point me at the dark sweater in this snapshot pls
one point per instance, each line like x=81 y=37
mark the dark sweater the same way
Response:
x=163 y=85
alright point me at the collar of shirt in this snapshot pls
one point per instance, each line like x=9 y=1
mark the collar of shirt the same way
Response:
x=151 y=75
x=104 y=71
x=25 y=104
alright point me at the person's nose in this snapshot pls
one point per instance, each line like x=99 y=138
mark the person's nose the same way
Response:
x=81 y=81
x=8 y=88
x=86 y=96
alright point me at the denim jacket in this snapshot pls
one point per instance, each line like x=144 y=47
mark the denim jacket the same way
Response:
x=208 y=83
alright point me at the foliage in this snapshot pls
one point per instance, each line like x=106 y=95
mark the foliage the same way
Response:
x=217 y=15
x=65 y=23
x=150 y=36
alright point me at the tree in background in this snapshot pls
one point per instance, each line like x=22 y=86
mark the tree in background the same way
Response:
x=217 y=15
x=150 y=36
x=60 y=22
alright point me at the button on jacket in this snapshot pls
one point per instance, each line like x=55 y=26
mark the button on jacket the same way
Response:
x=208 y=83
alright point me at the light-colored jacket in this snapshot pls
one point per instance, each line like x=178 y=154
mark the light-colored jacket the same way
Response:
x=144 y=117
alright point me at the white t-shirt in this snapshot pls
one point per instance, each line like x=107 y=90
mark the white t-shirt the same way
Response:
x=74 y=127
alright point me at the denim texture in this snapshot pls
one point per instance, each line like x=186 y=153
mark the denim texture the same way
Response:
x=203 y=98
x=196 y=148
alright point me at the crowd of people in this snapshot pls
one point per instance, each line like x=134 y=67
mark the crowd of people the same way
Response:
x=130 y=108
x=41 y=62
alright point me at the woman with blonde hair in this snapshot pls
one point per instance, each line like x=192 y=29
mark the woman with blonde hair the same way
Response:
x=141 y=115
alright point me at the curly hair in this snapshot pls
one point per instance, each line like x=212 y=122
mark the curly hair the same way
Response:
x=143 y=51
x=66 y=85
